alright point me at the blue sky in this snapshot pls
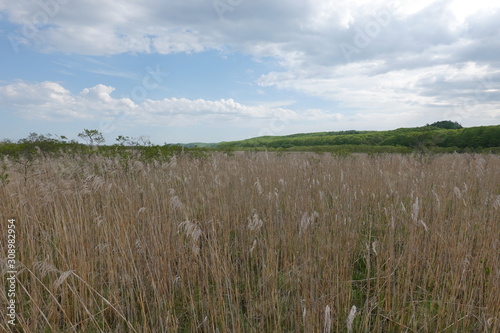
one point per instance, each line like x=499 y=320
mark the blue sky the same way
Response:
x=219 y=70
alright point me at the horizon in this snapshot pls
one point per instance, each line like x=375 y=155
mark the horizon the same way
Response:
x=145 y=138
x=220 y=70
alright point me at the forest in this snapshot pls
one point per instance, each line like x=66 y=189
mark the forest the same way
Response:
x=443 y=136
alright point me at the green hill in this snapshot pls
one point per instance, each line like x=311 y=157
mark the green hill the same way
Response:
x=444 y=136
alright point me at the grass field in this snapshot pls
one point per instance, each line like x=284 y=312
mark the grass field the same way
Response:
x=255 y=242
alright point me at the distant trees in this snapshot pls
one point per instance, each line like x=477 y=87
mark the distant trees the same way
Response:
x=27 y=150
x=439 y=136
x=122 y=140
x=131 y=141
x=442 y=134
x=92 y=137
x=447 y=124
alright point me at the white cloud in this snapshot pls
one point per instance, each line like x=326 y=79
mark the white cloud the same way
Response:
x=50 y=100
x=299 y=33
x=440 y=89
x=407 y=59
x=264 y=27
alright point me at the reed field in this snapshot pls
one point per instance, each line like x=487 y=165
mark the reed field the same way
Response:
x=254 y=242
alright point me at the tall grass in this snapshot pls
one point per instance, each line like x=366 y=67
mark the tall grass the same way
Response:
x=257 y=243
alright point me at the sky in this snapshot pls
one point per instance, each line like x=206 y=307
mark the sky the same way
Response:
x=180 y=71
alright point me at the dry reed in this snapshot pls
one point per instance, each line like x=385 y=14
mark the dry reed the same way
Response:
x=257 y=243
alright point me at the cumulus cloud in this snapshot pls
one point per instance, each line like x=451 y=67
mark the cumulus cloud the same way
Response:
x=50 y=100
x=313 y=29
x=379 y=57
x=432 y=85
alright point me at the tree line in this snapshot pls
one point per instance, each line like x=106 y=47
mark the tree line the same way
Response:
x=39 y=145
x=444 y=134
